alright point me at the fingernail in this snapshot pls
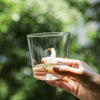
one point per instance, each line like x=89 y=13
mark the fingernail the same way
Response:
x=42 y=61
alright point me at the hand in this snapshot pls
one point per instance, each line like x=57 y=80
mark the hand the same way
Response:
x=77 y=78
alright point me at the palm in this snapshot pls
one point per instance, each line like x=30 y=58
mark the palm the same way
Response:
x=71 y=85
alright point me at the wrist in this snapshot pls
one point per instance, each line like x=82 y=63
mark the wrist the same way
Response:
x=94 y=86
x=96 y=82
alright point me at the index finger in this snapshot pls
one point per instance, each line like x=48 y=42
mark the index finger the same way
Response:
x=69 y=62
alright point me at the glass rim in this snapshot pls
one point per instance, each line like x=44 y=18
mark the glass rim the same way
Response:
x=47 y=34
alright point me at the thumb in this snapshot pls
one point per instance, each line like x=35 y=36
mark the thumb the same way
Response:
x=66 y=70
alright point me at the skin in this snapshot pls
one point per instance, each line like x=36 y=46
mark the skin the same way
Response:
x=77 y=78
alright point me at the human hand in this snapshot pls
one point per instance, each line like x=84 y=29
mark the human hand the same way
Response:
x=77 y=78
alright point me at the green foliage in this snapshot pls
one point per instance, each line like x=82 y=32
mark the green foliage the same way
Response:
x=21 y=17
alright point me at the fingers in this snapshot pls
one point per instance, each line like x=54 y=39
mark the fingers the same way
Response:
x=71 y=68
x=66 y=70
x=69 y=62
x=39 y=73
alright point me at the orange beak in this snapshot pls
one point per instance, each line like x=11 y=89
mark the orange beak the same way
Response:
x=49 y=49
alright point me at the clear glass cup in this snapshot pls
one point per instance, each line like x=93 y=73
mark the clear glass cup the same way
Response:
x=48 y=46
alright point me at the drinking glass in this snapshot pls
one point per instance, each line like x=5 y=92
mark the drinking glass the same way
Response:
x=47 y=46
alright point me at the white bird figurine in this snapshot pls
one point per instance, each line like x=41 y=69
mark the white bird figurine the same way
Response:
x=52 y=57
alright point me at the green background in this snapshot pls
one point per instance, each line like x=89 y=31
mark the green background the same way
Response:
x=21 y=17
